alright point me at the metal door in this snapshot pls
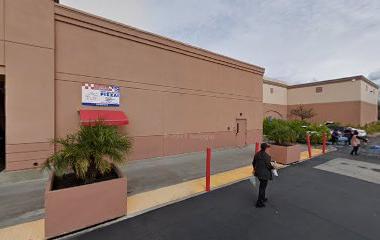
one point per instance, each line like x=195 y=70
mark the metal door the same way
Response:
x=241 y=132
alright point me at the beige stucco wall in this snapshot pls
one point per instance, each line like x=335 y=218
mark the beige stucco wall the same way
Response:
x=29 y=70
x=275 y=111
x=369 y=94
x=279 y=95
x=340 y=112
x=368 y=113
x=333 y=92
x=177 y=98
x=2 y=43
x=349 y=102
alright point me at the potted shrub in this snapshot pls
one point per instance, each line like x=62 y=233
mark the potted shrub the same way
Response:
x=85 y=187
x=284 y=149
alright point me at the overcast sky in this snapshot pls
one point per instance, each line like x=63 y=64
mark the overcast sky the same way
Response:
x=295 y=40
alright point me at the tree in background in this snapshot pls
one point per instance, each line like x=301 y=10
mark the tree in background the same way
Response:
x=302 y=112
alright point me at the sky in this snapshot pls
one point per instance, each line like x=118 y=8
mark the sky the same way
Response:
x=296 y=41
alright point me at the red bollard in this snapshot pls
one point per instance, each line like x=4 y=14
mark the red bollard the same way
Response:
x=308 y=144
x=257 y=149
x=208 y=169
x=324 y=140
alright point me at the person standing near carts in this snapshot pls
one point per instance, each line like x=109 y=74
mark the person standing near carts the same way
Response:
x=355 y=142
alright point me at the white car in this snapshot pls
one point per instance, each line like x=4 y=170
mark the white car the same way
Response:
x=361 y=132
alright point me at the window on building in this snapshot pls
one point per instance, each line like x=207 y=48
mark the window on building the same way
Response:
x=319 y=89
x=271 y=90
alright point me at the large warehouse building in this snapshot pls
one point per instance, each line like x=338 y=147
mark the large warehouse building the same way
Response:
x=60 y=68
x=59 y=65
x=350 y=100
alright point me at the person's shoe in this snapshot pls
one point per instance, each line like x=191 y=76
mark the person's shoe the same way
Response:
x=265 y=200
x=260 y=205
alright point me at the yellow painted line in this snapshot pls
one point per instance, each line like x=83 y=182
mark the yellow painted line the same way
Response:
x=314 y=152
x=147 y=200
x=34 y=230
x=142 y=202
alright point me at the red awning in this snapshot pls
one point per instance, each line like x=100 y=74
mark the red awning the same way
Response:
x=113 y=118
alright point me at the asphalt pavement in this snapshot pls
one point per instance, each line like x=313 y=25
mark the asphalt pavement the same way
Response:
x=304 y=203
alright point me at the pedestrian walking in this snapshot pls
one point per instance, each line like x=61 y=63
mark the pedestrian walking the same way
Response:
x=263 y=171
x=348 y=134
x=355 y=143
x=335 y=137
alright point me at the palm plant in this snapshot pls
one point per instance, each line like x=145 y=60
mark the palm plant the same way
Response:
x=89 y=152
x=282 y=134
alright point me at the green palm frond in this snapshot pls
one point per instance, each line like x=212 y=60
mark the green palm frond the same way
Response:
x=92 y=148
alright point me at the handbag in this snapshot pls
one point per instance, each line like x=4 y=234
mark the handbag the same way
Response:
x=275 y=172
x=252 y=180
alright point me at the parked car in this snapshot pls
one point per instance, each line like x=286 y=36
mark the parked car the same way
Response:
x=362 y=133
x=333 y=126
x=345 y=133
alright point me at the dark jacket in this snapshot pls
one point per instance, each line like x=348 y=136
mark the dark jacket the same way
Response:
x=261 y=164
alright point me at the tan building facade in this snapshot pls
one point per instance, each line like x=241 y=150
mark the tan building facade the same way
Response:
x=177 y=98
x=351 y=100
x=275 y=99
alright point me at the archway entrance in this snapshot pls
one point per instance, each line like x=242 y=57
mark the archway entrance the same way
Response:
x=273 y=114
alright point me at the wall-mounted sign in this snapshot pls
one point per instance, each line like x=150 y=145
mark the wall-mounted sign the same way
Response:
x=100 y=95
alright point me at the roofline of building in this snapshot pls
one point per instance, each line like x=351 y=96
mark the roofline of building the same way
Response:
x=169 y=41
x=278 y=84
x=337 y=80
x=331 y=81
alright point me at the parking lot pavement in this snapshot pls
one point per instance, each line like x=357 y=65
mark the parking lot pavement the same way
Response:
x=304 y=203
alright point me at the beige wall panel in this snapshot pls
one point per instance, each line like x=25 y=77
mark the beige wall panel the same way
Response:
x=369 y=113
x=30 y=94
x=2 y=19
x=23 y=165
x=2 y=54
x=369 y=94
x=342 y=112
x=30 y=22
x=275 y=110
x=27 y=156
x=192 y=114
x=82 y=51
x=154 y=146
x=145 y=111
x=279 y=95
x=334 y=92
x=147 y=147
x=29 y=147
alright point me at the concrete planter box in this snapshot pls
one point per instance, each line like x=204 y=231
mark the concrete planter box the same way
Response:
x=71 y=209
x=285 y=154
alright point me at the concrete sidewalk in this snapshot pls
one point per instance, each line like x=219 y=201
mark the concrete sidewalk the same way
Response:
x=146 y=195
